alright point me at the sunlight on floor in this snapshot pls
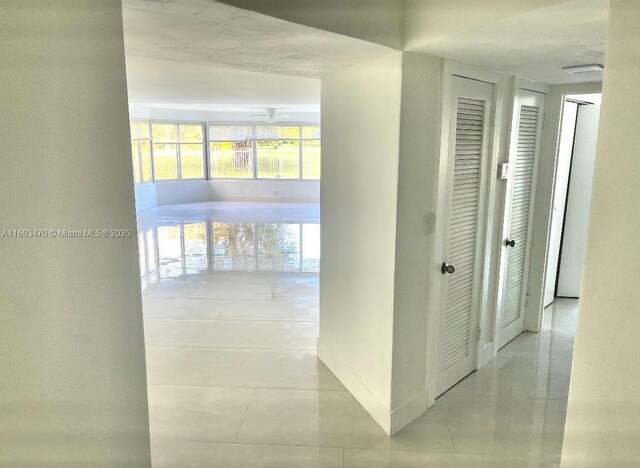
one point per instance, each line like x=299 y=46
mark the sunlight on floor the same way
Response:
x=231 y=319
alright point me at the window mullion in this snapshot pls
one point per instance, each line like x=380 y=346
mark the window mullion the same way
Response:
x=206 y=154
x=254 y=144
x=178 y=156
x=140 y=165
x=300 y=175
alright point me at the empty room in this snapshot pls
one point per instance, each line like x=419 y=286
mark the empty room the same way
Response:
x=348 y=233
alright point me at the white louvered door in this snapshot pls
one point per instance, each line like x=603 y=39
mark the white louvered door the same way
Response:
x=469 y=137
x=524 y=162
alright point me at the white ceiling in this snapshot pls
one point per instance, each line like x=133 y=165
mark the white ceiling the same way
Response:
x=174 y=84
x=211 y=56
x=535 y=44
x=207 y=55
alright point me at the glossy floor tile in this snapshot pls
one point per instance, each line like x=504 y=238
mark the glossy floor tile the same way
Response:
x=238 y=368
x=231 y=334
x=197 y=413
x=181 y=454
x=230 y=299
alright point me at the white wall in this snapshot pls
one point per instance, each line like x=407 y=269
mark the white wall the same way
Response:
x=361 y=132
x=152 y=195
x=417 y=178
x=72 y=373
x=182 y=191
x=578 y=201
x=429 y=20
x=146 y=196
x=378 y=21
x=565 y=149
x=279 y=191
x=603 y=417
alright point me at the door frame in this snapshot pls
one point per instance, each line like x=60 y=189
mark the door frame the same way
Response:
x=504 y=86
x=546 y=186
x=522 y=87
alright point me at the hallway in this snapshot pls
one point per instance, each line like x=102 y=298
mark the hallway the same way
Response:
x=231 y=317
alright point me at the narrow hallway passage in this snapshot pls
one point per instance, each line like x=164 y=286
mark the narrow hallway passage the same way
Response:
x=231 y=317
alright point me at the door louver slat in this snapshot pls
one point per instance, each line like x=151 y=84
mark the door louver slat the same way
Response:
x=464 y=229
x=520 y=214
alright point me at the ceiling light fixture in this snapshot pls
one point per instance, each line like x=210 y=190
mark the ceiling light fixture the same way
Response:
x=590 y=68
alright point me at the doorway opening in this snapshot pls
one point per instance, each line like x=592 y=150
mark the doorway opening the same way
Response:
x=572 y=195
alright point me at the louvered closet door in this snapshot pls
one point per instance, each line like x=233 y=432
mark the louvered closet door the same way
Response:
x=524 y=161
x=468 y=153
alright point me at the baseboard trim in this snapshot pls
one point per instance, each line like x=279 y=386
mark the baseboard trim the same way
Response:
x=367 y=399
x=409 y=411
x=391 y=421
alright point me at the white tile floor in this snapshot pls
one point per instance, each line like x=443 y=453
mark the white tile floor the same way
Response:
x=231 y=317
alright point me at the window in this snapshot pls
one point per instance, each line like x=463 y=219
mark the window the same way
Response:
x=141 y=150
x=231 y=151
x=310 y=152
x=191 y=151
x=264 y=151
x=278 y=152
x=178 y=151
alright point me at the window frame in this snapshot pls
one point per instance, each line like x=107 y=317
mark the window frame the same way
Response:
x=137 y=140
x=176 y=124
x=206 y=146
x=254 y=141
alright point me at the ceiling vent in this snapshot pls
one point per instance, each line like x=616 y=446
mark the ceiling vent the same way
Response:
x=577 y=69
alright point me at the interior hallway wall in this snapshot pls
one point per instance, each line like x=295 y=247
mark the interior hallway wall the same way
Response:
x=417 y=178
x=603 y=417
x=72 y=373
x=361 y=132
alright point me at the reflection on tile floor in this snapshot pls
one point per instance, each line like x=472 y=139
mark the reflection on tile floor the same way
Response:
x=231 y=317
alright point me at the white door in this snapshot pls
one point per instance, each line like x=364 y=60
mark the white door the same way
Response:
x=574 y=237
x=469 y=137
x=523 y=159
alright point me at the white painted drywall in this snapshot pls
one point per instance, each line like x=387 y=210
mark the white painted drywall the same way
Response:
x=603 y=416
x=574 y=237
x=417 y=178
x=72 y=373
x=146 y=196
x=430 y=20
x=183 y=191
x=265 y=190
x=360 y=138
x=378 y=21
x=151 y=195
x=565 y=149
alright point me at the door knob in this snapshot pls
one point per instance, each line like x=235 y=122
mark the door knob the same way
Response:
x=510 y=243
x=447 y=268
